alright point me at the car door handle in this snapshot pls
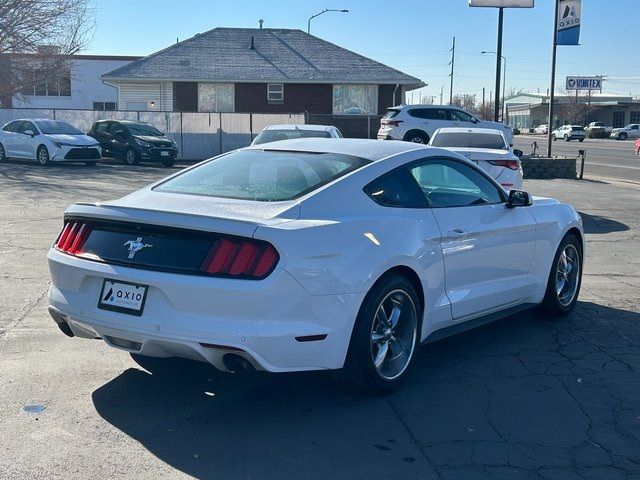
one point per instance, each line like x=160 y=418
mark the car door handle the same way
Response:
x=457 y=234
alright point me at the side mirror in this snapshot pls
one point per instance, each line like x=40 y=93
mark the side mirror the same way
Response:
x=119 y=134
x=474 y=120
x=30 y=132
x=517 y=152
x=518 y=198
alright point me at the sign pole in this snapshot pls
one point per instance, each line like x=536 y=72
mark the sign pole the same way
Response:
x=496 y=113
x=553 y=78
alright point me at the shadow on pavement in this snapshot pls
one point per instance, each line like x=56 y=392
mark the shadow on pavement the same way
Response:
x=527 y=392
x=598 y=224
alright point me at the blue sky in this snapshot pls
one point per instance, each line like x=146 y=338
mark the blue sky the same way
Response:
x=411 y=35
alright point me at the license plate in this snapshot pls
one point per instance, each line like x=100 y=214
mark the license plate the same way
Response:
x=164 y=153
x=123 y=297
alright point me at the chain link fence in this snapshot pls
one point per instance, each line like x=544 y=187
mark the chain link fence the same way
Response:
x=198 y=135
x=351 y=126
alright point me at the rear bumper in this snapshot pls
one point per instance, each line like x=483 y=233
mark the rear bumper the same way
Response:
x=258 y=320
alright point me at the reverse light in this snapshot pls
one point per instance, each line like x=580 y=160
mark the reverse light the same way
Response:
x=510 y=164
x=73 y=237
x=240 y=258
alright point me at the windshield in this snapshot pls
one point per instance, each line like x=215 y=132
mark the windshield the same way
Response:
x=143 y=129
x=469 y=140
x=54 y=127
x=577 y=129
x=267 y=136
x=262 y=175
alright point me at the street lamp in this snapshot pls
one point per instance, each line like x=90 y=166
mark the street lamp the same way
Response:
x=323 y=11
x=504 y=83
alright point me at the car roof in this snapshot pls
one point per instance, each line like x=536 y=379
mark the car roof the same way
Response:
x=34 y=120
x=368 y=149
x=409 y=107
x=301 y=126
x=487 y=131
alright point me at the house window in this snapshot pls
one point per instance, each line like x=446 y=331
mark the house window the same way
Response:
x=104 y=105
x=59 y=85
x=355 y=99
x=618 y=119
x=635 y=117
x=216 y=97
x=275 y=93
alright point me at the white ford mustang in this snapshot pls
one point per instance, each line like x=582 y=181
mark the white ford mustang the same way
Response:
x=312 y=254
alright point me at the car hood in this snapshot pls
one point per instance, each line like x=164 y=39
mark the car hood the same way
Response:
x=153 y=140
x=80 y=140
x=484 y=154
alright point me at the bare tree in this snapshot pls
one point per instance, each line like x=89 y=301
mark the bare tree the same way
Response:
x=514 y=92
x=485 y=111
x=577 y=109
x=36 y=39
x=465 y=101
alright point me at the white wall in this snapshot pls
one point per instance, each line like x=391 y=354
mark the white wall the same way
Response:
x=152 y=96
x=86 y=87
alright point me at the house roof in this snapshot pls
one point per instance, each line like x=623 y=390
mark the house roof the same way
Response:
x=279 y=55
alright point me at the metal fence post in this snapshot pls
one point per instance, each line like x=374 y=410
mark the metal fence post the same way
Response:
x=138 y=112
x=250 y=127
x=54 y=113
x=369 y=126
x=181 y=138
x=220 y=130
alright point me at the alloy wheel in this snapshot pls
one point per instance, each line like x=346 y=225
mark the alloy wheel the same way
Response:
x=2 y=154
x=393 y=334
x=567 y=275
x=130 y=157
x=43 y=156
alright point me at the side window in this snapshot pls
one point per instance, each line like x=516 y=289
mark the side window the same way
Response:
x=429 y=113
x=449 y=183
x=10 y=127
x=101 y=127
x=418 y=112
x=460 y=116
x=114 y=127
x=18 y=127
x=28 y=126
x=396 y=189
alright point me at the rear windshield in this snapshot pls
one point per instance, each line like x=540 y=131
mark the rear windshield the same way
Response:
x=267 y=136
x=576 y=129
x=265 y=176
x=469 y=140
x=53 y=127
x=390 y=114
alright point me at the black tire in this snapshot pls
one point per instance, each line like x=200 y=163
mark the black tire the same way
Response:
x=168 y=163
x=131 y=157
x=553 y=303
x=553 y=137
x=567 y=138
x=90 y=164
x=42 y=155
x=416 y=136
x=622 y=136
x=360 y=371
x=581 y=140
x=3 y=155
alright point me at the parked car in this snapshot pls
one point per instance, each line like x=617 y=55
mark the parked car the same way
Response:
x=568 y=133
x=597 y=130
x=638 y=146
x=274 y=133
x=486 y=147
x=417 y=123
x=316 y=255
x=630 y=131
x=134 y=142
x=541 y=129
x=47 y=141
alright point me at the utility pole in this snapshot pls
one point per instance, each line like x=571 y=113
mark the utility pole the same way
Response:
x=483 y=103
x=453 y=59
x=496 y=112
x=442 y=95
x=553 y=76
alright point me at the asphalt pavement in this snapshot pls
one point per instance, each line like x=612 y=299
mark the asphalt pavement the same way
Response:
x=527 y=397
x=605 y=157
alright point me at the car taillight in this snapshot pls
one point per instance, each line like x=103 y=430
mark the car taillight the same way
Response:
x=73 y=237
x=242 y=258
x=393 y=123
x=510 y=164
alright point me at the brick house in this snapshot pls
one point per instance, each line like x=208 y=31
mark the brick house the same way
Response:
x=267 y=70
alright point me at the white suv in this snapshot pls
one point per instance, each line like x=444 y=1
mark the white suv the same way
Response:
x=418 y=123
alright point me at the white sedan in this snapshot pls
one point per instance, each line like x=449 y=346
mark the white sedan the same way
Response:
x=312 y=255
x=275 y=133
x=488 y=148
x=47 y=141
x=541 y=129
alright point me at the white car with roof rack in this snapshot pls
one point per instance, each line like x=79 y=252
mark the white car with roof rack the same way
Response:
x=488 y=148
x=47 y=141
x=312 y=254
x=418 y=123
